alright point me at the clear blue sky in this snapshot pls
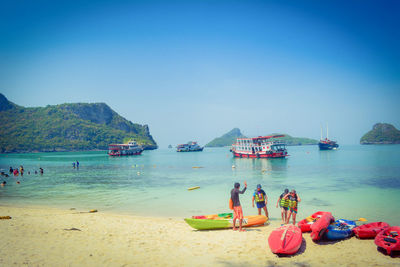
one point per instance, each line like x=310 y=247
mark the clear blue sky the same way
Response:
x=193 y=70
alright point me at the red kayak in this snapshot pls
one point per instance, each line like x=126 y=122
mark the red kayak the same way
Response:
x=319 y=227
x=389 y=239
x=305 y=225
x=370 y=230
x=285 y=239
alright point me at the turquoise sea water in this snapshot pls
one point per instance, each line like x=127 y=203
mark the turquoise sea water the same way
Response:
x=352 y=182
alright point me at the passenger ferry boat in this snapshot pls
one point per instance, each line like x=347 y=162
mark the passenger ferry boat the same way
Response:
x=326 y=144
x=189 y=147
x=259 y=147
x=132 y=148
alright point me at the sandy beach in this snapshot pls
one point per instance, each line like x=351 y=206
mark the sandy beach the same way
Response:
x=41 y=236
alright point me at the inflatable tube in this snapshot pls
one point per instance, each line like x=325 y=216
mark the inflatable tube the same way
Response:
x=319 y=227
x=341 y=229
x=305 y=224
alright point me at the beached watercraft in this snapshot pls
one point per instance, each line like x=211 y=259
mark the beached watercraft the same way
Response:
x=285 y=239
x=305 y=224
x=319 y=227
x=369 y=230
x=218 y=221
x=341 y=229
x=389 y=239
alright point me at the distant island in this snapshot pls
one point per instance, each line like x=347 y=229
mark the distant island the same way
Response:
x=381 y=133
x=66 y=127
x=227 y=139
x=230 y=137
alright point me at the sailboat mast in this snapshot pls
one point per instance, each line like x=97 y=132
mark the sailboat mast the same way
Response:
x=327 y=131
x=321 y=132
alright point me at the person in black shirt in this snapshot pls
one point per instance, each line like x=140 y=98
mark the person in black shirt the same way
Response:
x=237 y=208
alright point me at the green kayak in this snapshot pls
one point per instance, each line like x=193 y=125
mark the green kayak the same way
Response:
x=222 y=223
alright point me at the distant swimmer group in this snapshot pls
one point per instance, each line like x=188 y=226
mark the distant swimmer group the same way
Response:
x=15 y=172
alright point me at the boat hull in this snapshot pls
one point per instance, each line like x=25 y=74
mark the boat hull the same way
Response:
x=135 y=153
x=224 y=223
x=286 y=240
x=327 y=146
x=194 y=150
x=259 y=155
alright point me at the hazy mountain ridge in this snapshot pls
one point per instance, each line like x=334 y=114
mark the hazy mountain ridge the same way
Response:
x=230 y=138
x=66 y=127
x=381 y=133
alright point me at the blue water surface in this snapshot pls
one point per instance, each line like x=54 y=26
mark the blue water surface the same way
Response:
x=351 y=182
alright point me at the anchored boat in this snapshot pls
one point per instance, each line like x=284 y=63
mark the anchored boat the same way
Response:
x=189 y=147
x=326 y=144
x=259 y=147
x=131 y=148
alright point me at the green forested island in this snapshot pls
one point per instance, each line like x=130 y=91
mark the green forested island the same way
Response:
x=227 y=139
x=66 y=127
x=381 y=133
x=294 y=141
x=230 y=137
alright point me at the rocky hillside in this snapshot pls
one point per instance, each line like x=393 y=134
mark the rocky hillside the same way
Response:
x=227 y=139
x=66 y=127
x=381 y=133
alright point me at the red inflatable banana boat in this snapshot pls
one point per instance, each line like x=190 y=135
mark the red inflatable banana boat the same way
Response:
x=389 y=239
x=305 y=225
x=319 y=227
x=369 y=230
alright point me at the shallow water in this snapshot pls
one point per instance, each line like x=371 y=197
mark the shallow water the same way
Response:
x=351 y=182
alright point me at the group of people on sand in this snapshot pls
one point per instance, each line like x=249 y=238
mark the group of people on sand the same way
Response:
x=16 y=172
x=287 y=201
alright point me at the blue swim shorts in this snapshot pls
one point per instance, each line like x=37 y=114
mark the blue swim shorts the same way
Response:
x=260 y=204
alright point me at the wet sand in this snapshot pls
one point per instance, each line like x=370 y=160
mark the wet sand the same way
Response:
x=41 y=236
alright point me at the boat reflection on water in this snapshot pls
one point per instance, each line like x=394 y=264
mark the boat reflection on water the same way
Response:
x=261 y=165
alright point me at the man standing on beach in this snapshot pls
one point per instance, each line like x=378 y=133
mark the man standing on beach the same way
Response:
x=237 y=208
